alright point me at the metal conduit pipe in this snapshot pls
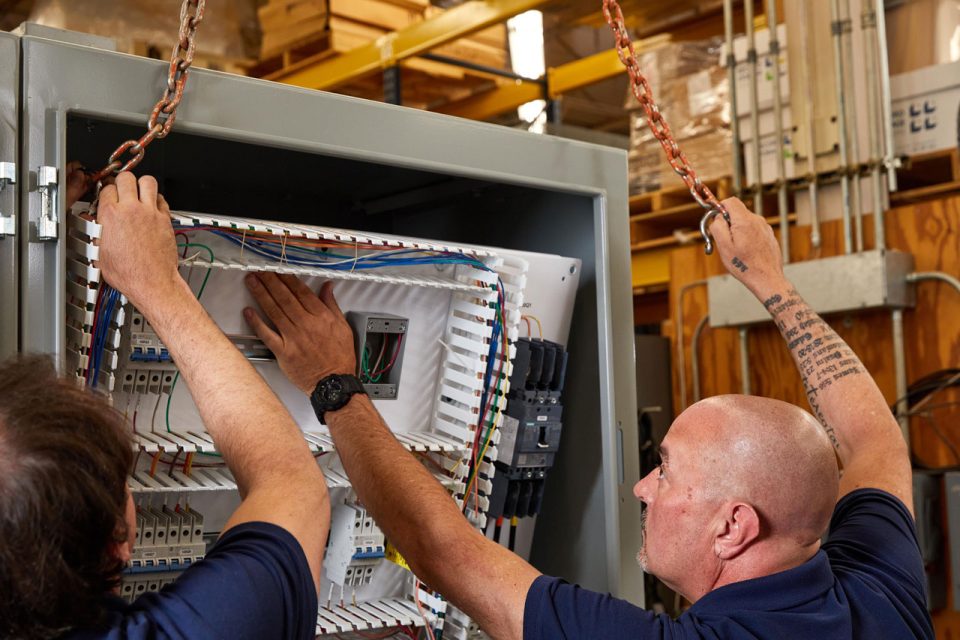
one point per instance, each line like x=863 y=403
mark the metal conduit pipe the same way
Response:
x=744 y=362
x=890 y=159
x=754 y=105
x=900 y=374
x=868 y=24
x=810 y=138
x=853 y=131
x=695 y=356
x=732 y=79
x=836 y=31
x=934 y=275
x=782 y=206
x=678 y=330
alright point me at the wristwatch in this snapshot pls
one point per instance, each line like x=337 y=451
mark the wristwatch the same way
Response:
x=334 y=392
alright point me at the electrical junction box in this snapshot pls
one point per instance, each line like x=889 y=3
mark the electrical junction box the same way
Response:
x=380 y=343
x=850 y=282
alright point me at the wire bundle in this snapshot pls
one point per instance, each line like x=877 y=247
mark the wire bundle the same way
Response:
x=322 y=254
x=918 y=403
x=489 y=403
x=103 y=310
x=373 y=374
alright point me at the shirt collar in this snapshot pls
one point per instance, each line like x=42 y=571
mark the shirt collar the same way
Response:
x=777 y=591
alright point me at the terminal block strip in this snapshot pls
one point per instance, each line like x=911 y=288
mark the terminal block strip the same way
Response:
x=178 y=483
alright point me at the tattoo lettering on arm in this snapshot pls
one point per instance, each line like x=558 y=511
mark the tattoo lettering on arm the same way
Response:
x=739 y=264
x=822 y=356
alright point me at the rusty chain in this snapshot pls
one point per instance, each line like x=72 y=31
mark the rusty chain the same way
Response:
x=165 y=111
x=658 y=125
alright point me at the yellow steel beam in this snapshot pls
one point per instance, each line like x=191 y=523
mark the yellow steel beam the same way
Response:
x=650 y=267
x=393 y=47
x=560 y=80
x=583 y=72
x=485 y=105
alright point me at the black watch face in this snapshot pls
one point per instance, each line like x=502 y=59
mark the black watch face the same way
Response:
x=331 y=391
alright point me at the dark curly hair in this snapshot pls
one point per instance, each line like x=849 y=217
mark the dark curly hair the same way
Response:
x=64 y=459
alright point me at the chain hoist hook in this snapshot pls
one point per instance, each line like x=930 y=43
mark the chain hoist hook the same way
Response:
x=705 y=223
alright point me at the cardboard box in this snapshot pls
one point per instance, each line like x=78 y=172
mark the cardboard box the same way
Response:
x=925 y=109
x=709 y=153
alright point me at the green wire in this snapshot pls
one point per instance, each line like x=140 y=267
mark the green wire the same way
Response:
x=493 y=414
x=365 y=363
x=203 y=285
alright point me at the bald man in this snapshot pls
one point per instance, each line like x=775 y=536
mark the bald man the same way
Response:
x=735 y=512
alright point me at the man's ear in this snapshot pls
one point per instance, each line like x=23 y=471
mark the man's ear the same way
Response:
x=739 y=529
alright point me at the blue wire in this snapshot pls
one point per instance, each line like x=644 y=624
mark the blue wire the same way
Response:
x=374 y=261
x=104 y=328
x=492 y=353
x=101 y=329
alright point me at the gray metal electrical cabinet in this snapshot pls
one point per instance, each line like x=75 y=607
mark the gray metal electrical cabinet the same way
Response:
x=257 y=149
x=10 y=226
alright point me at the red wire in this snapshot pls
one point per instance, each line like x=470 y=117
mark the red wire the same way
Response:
x=186 y=239
x=396 y=352
x=174 y=463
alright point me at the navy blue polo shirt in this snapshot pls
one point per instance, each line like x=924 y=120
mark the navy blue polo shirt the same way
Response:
x=865 y=583
x=254 y=583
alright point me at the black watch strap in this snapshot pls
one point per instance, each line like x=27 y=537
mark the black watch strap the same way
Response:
x=334 y=392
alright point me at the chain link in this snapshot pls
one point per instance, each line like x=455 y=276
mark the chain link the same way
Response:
x=658 y=125
x=165 y=111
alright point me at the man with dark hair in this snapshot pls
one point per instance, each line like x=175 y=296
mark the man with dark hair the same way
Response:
x=734 y=513
x=67 y=521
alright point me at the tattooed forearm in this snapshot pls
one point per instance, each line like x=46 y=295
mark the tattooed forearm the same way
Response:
x=822 y=357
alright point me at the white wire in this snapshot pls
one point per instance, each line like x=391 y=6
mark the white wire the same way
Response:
x=466 y=363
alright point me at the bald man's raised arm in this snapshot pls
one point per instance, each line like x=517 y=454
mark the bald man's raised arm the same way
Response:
x=841 y=392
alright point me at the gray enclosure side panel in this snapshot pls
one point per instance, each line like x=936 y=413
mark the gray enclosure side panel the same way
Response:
x=9 y=149
x=42 y=263
x=62 y=78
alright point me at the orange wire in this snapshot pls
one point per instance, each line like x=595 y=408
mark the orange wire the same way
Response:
x=153 y=464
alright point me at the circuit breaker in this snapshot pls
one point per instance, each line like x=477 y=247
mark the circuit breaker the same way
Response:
x=355 y=548
x=530 y=434
x=380 y=343
x=169 y=539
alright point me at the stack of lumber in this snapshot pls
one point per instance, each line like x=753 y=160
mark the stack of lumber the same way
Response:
x=296 y=30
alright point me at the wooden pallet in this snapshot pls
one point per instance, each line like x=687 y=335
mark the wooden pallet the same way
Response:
x=928 y=175
x=659 y=214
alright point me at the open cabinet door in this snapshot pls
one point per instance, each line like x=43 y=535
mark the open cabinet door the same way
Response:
x=10 y=225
